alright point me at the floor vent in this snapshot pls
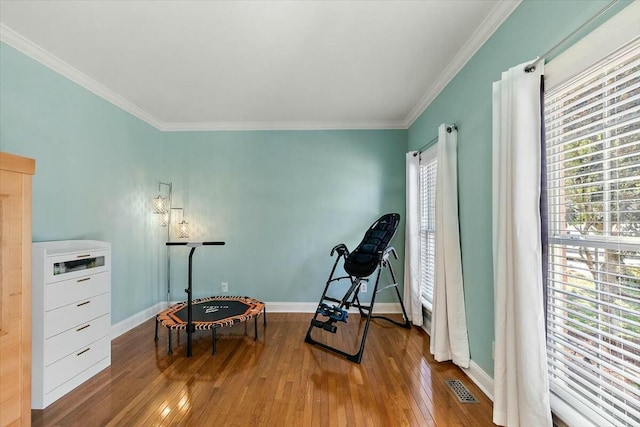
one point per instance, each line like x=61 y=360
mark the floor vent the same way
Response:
x=460 y=390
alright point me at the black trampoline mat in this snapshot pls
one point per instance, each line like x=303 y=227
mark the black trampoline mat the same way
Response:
x=213 y=311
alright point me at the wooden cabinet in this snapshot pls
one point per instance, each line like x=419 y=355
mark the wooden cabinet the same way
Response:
x=15 y=289
x=71 y=316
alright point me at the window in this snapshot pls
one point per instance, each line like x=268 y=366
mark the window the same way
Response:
x=592 y=127
x=428 y=170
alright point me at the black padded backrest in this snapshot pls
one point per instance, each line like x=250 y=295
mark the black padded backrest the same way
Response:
x=362 y=261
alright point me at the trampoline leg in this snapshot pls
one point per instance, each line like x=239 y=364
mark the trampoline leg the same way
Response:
x=170 y=351
x=255 y=327
x=213 y=340
x=264 y=316
x=155 y=338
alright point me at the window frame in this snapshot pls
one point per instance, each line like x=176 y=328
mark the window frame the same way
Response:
x=428 y=159
x=611 y=37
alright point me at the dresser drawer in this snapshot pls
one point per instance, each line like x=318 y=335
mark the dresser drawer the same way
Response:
x=75 y=290
x=74 y=265
x=75 y=339
x=75 y=314
x=70 y=366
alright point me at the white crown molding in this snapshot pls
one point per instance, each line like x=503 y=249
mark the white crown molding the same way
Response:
x=257 y=126
x=19 y=42
x=27 y=47
x=492 y=22
x=499 y=13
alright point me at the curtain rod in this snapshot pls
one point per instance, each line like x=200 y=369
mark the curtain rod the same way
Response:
x=450 y=129
x=531 y=67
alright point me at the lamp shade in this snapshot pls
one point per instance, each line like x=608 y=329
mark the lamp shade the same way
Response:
x=160 y=205
x=183 y=229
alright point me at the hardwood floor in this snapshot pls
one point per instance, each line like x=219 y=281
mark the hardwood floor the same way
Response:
x=277 y=381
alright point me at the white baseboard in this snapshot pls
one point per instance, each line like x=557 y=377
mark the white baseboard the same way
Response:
x=137 y=319
x=474 y=372
x=480 y=378
x=310 y=307
x=291 y=307
x=272 y=307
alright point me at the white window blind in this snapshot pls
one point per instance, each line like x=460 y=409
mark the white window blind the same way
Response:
x=592 y=129
x=428 y=171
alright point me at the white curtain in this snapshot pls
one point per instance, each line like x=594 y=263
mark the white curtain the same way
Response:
x=413 y=305
x=521 y=387
x=449 y=340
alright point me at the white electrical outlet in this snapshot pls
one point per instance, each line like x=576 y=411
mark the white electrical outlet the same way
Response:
x=363 y=287
x=224 y=287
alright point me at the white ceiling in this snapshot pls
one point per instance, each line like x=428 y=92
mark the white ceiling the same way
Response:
x=189 y=65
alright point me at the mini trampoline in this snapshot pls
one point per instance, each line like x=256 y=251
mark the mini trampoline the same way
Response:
x=208 y=313
x=211 y=313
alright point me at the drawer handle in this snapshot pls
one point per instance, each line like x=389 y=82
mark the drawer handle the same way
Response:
x=83 y=351
x=83 y=256
x=83 y=303
x=83 y=327
x=84 y=280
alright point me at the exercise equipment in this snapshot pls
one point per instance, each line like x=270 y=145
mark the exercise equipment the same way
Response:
x=207 y=313
x=370 y=255
x=210 y=313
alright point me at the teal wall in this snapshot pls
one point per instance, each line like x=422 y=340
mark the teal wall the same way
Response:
x=281 y=200
x=95 y=169
x=533 y=28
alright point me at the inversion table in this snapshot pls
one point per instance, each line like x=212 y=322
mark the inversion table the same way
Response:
x=371 y=254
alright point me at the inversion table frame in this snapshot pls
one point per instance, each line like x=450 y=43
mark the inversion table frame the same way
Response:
x=350 y=299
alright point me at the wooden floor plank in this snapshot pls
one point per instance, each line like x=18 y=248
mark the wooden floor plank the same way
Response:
x=276 y=381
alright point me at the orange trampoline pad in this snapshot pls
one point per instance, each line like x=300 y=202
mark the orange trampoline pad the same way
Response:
x=211 y=312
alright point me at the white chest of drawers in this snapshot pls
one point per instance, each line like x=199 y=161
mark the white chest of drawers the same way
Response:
x=71 y=316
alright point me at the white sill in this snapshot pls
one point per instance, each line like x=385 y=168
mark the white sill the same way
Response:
x=426 y=305
x=572 y=416
x=426 y=316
